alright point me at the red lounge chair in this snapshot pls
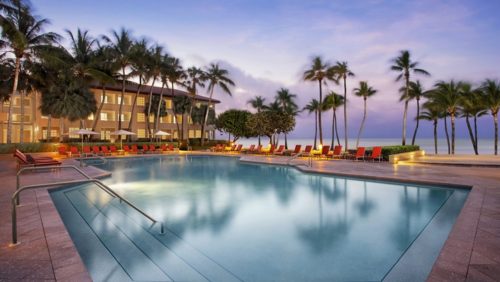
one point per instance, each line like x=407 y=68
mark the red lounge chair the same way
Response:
x=145 y=149
x=95 y=150
x=113 y=149
x=171 y=147
x=105 y=151
x=163 y=147
x=280 y=151
x=324 y=151
x=126 y=148
x=307 y=150
x=152 y=148
x=62 y=151
x=87 y=151
x=27 y=160
x=271 y=150
x=238 y=148
x=297 y=150
x=250 y=149
x=135 y=150
x=336 y=153
x=376 y=154
x=258 y=150
x=74 y=151
x=360 y=154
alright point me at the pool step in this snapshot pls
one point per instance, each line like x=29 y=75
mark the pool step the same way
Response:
x=168 y=253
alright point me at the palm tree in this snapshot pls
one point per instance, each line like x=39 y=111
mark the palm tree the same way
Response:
x=433 y=113
x=287 y=103
x=404 y=65
x=448 y=95
x=166 y=65
x=195 y=77
x=314 y=106
x=140 y=70
x=319 y=71
x=23 y=36
x=216 y=76
x=258 y=103
x=155 y=65
x=334 y=101
x=491 y=92
x=364 y=91
x=472 y=105
x=121 y=45
x=342 y=72
x=415 y=92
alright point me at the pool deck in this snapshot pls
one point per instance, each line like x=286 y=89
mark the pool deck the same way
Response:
x=46 y=252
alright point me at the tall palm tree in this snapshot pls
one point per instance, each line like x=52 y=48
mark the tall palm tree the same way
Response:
x=342 y=71
x=258 y=103
x=415 y=92
x=216 y=76
x=365 y=91
x=472 y=105
x=319 y=71
x=448 y=95
x=433 y=113
x=334 y=101
x=23 y=35
x=405 y=66
x=287 y=103
x=139 y=70
x=165 y=69
x=314 y=106
x=195 y=78
x=155 y=65
x=121 y=44
x=491 y=92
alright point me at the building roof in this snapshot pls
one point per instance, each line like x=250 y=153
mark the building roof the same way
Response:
x=132 y=88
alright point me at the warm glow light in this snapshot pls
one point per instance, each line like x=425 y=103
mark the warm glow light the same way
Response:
x=320 y=146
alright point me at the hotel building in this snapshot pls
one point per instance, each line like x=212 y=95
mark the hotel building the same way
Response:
x=35 y=124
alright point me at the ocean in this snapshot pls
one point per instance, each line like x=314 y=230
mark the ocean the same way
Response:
x=462 y=146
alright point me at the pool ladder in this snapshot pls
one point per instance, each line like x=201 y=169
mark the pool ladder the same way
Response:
x=309 y=159
x=15 y=197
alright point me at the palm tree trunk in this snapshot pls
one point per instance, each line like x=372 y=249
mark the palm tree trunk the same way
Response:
x=435 y=137
x=345 y=114
x=446 y=131
x=286 y=142
x=157 y=119
x=405 y=113
x=452 y=133
x=333 y=127
x=315 y=128
x=475 y=132
x=495 y=119
x=336 y=127
x=319 y=113
x=471 y=134
x=49 y=128
x=206 y=117
x=134 y=103
x=14 y=91
x=121 y=102
x=418 y=122
x=191 y=103
x=21 y=122
x=98 y=113
x=362 y=124
x=61 y=129
x=150 y=101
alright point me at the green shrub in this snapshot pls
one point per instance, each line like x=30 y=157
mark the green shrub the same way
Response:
x=397 y=149
x=27 y=147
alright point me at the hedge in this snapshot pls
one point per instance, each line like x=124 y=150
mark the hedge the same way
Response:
x=397 y=149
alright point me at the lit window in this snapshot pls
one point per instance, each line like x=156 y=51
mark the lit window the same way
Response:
x=104 y=116
x=141 y=133
x=141 y=117
x=141 y=101
x=90 y=117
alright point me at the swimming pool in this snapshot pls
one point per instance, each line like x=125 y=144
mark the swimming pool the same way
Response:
x=231 y=221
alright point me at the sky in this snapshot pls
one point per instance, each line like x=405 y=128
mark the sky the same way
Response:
x=267 y=45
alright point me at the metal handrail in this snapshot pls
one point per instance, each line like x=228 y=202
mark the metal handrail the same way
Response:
x=293 y=158
x=103 y=159
x=105 y=188
x=95 y=181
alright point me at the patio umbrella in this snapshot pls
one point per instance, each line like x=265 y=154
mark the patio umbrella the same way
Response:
x=122 y=132
x=161 y=133
x=82 y=132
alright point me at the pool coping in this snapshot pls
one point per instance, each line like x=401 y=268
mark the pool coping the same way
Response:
x=460 y=258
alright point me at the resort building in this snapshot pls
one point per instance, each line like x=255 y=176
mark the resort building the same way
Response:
x=35 y=124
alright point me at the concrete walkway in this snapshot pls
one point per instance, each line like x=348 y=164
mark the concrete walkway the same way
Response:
x=459 y=160
x=472 y=251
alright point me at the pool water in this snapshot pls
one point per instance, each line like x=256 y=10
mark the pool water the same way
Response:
x=230 y=221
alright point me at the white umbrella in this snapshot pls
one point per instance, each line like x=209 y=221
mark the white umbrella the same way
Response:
x=82 y=132
x=161 y=133
x=122 y=132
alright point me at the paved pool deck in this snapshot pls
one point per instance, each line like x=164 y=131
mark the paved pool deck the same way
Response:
x=46 y=252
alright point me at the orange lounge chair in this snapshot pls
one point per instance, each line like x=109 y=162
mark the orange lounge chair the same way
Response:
x=307 y=150
x=96 y=151
x=27 y=160
x=135 y=150
x=62 y=151
x=145 y=149
x=271 y=150
x=238 y=148
x=324 y=151
x=163 y=147
x=280 y=151
x=360 y=154
x=86 y=151
x=152 y=148
x=105 y=151
x=171 y=147
x=126 y=148
x=296 y=150
x=74 y=151
x=376 y=154
x=336 y=153
x=250 y=149
x=113 y=149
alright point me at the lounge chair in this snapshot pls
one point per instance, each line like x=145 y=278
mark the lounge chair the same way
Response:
x=280 y=151
x=113 y=149
x=296 y=150
x=336 y=153
x=257 y=150
x=270 y=151
x=360 y=154
x=74 y=151
x=376 y=154
x=152 y=148
x=237 y=149
x=324 y=151
x=105 y=151
x=87 y=151
x=217 y=148
x=250 y=149
x=307 y=151
x=24 y=160
x=135 y=150
x=96 y=151
x=62 y=151
x=126 y=148
x=230 y=149
x=145 y=149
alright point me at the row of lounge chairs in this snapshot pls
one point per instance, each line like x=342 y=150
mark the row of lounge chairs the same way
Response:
x=325 y=152
x=112 y=150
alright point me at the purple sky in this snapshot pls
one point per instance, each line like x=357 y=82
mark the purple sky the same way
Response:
x=267 y=45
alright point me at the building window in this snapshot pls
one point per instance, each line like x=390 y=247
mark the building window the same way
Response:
x=104 y=116
x=106 y=133
x=168 y=103
x=108 y=99
x=126 y=116
x=141 y=101
x=141 y=133
x=179 y=118
x=74 y=135
x=53 y=133
x=141 y=117
x=90 y=117
x=126 y=100
x=166 y=119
